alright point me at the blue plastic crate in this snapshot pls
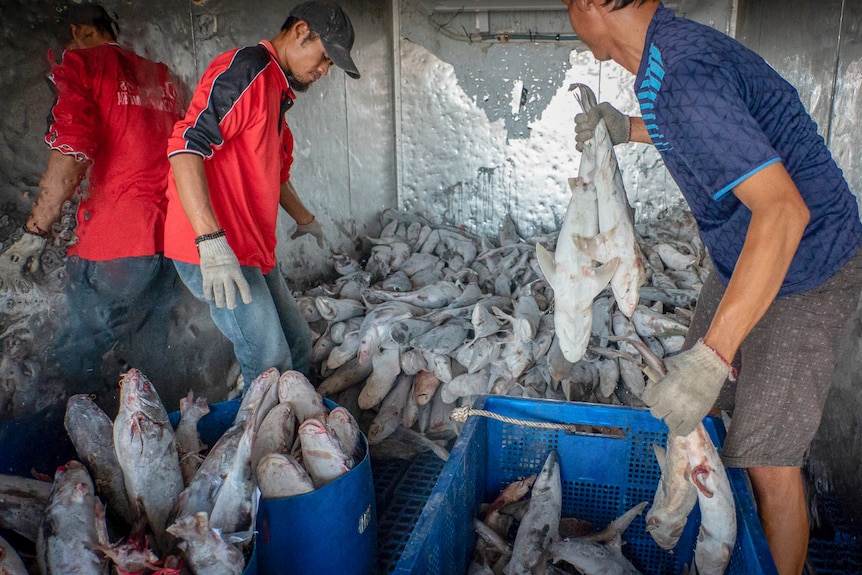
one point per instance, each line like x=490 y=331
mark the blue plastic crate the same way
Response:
x=401 y=489
x=605 y=471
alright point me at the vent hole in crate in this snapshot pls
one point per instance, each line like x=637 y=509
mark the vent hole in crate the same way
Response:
x=525 y=449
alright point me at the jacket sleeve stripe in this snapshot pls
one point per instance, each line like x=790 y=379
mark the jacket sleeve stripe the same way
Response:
x=227 y=89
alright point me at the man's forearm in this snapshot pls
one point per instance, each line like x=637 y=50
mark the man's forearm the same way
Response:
x=638 y=131
x=61 y=178
x=193 y=191
x=771 y=242
x=293 y=205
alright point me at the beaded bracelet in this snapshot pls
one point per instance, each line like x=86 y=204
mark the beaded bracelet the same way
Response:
x=211 y=236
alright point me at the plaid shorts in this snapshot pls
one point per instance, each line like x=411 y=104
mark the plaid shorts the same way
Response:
x=785 y=368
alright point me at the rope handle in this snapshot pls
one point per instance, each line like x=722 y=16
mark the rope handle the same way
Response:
x=462 y=413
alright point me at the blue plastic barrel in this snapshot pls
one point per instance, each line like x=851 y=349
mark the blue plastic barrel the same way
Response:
x=333 y=529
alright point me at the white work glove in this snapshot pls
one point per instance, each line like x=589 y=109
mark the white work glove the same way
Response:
x=685 y=395
x=312 y=228
x=221 y=273
x=22 y=255
x=619 y=127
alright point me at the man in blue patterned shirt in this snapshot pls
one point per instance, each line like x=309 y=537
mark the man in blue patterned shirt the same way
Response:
x=782 y=229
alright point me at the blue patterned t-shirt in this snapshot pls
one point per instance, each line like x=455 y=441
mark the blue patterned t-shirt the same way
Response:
x=718 y=113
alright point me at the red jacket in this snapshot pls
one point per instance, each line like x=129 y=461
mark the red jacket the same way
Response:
x=117 y=109
x=236 y=123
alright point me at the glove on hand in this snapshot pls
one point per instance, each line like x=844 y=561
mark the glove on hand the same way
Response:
x=221 y=273
x=685 y=395
x=23 y=254
x=312 y=228
x=618 y=125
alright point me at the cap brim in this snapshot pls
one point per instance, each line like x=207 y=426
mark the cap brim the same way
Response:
x=342 y=59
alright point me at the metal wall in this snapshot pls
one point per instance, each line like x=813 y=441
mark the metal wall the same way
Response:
x=486 y=116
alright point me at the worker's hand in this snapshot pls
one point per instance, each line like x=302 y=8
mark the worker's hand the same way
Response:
x=312 y=228
x=619 y=127
x=22 y=256
x=221 y=273
x=685 y=395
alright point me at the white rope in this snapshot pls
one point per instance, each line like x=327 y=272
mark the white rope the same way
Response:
x=462 y=413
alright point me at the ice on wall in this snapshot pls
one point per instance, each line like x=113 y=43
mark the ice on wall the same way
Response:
x=460 y=168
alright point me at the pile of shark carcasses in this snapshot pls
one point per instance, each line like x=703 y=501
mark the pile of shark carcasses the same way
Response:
x=437 y=315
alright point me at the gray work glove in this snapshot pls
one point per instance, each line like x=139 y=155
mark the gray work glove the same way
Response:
x=221 y=273
x=312 y=228
x=618 y=125
x=685 y=395
x=21 y=256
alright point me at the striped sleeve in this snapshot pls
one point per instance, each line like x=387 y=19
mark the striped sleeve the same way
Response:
x=229 y=76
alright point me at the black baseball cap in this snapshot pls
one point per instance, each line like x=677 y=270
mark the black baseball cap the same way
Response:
x=334 y=28
x=91 y=14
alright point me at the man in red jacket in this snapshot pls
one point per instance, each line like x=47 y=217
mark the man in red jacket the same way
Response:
x=230 y=160
x=113 y=113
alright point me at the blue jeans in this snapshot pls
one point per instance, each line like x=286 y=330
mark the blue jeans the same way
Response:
x=108 y=301
x=268 y=332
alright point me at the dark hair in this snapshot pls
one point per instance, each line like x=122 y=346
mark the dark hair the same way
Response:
x=288 y=24
x=623 y=3
x=90 y=14
x=291 y=22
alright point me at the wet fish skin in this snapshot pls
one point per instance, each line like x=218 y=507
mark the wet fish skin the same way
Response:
x=234 y=506
x=575 y=281
x=617 y=238
x=345 y=427
x=591 y=558
x=189 y=444
x=304 y=400
x=22 y=503
x=344 y=377
x=260 y=390
x=675 y=494
x=10 y=562
x=466 y=384
x=67 y=536
x=386 y=366
x=425 y=384
x=397 y=282
x=389 y=415
x=540 y=524
x=323 y=456
x=322 y=347
x=91 y=432
x=201 y=491
x=717 y=534
x=413 y=361
x=336 y=310
x=280 y=475
x=146 y=449
x=204 y=549
x=442 y=339
x=674 y=258
x=401 y=332
x=275 y=434
x=375 y=325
